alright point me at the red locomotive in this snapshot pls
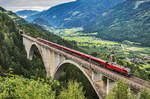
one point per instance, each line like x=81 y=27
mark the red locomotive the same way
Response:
x=110 y=66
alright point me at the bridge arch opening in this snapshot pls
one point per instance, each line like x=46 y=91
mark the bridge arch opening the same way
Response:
x=71 y=71
x=38 y=68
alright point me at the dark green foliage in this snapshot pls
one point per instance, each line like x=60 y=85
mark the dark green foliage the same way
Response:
x=74 y=91
x=12 y=54
x=71 y=72
x=120 y=91
x=12 y=16
x=6 y=32
x=124 y=22
x=94 y=54
x=17 y=87
x=2 y=9
x=145 y=94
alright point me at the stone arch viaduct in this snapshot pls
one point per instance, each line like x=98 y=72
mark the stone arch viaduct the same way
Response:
x=54 y=58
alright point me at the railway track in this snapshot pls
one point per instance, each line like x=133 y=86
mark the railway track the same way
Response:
x=140 y=81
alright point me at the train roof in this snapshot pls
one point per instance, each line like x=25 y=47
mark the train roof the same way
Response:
x=75 y=50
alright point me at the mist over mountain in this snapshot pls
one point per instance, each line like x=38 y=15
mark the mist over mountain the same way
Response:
x=129 y=20
x=26 y=13
x=74 y=14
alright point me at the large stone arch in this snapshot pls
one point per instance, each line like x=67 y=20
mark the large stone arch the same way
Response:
x=58 y=70
x=43 y=52
x=53 y=60
x=31 y=51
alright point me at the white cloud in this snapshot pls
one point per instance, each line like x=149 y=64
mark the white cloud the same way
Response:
x=38 y=8
x=39 y=5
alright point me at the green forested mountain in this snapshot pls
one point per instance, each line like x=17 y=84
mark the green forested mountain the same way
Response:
x=74 y=14
x=129 y=20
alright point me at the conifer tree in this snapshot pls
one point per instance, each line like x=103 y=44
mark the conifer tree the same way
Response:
x=145 y=94
x=73 y=91
x=120 y=91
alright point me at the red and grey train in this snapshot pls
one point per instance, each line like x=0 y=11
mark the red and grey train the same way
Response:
x=110 y=66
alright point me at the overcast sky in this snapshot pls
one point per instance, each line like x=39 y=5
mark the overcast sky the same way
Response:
x=15 y=5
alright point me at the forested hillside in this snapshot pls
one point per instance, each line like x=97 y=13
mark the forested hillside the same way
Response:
x=129 y=20
x=74 y=14
x=12 y=50
x=22 y=78
x=11 y=54
x=12 y=15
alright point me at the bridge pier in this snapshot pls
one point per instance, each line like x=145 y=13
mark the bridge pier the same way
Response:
x=138 y=94
x=30 y=55
x=48 y=59
x=27 y=43
x=110 y=84
x=96 y=76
